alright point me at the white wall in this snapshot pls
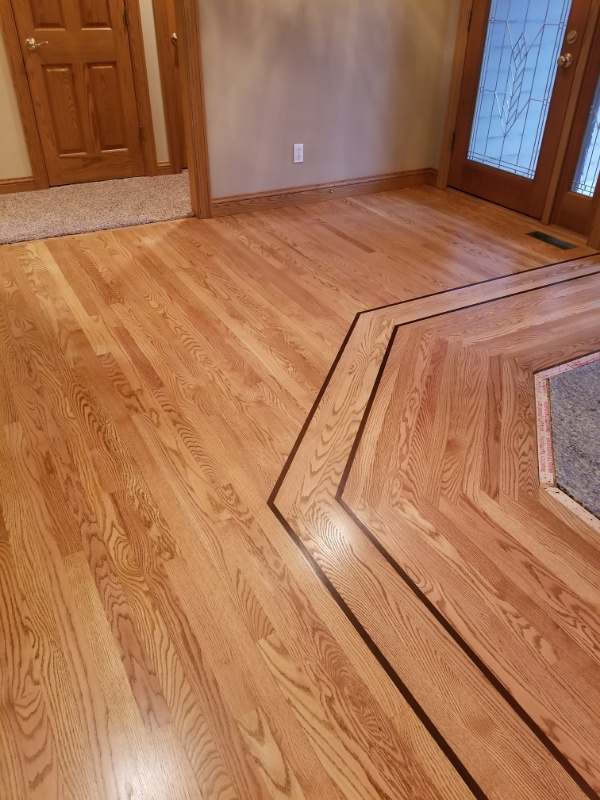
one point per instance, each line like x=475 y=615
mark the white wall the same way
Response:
x=361 y=83
x=14 y=159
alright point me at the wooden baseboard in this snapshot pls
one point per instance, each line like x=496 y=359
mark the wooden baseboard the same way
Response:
x=164 y=168
x=262 y=201
x=10 y=185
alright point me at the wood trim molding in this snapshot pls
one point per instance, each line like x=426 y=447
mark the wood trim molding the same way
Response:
x=142 y=91
x=11 y=185
x=458 y=65
x=263 y=201
x=25 y=103
x=188 y=31
x=165 y=168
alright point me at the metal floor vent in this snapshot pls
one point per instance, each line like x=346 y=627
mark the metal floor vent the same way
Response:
x=544 y=237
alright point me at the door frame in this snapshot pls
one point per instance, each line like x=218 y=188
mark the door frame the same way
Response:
x=168 y=77
x=142 y=86
x=193 y=94
x=456 y=79
x=194 y=110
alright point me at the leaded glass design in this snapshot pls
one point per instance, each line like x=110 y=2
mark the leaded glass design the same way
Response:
x=523 y=42
x=586 y=174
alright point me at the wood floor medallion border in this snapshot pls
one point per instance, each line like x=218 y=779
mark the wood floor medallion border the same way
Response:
x=476 y=660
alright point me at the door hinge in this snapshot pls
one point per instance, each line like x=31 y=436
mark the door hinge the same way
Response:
x=141 y=132
x=126 y=14
x=469 y=18
x=452 y=142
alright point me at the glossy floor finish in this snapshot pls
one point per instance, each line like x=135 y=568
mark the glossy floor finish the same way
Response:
x=165 y=631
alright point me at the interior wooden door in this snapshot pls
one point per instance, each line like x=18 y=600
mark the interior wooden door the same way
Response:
x=78 y=63
x=519 y=69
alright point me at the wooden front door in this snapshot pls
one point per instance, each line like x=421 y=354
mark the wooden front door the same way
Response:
x=76 y=54
x=578 y=196
x=520 y=64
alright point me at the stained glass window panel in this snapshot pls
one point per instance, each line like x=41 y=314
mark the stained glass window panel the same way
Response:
x=586 y=174
x=523 y=42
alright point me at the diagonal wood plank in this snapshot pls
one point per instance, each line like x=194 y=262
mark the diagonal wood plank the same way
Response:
x=484 y=578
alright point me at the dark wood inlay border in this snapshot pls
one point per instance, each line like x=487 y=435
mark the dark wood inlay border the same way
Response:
x=444 y=746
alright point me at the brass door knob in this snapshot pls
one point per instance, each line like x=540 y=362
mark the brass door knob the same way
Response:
x=174 y=38
x=565 y=61
x=33 y=45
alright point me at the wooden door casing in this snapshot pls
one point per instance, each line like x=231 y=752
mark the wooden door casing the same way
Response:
x=82 y=88
x=177 y=90
x=506 y=189
x=165 y=19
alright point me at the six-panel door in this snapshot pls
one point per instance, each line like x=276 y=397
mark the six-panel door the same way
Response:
x=81 y=82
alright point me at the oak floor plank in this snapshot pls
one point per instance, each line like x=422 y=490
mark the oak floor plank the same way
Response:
x=82 y=763
x=143 y=754
x=248 y=688
x=279 y=779
x=26 y=736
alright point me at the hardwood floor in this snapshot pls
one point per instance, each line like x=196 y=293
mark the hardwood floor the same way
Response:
x=444 y=477
x=162 y=633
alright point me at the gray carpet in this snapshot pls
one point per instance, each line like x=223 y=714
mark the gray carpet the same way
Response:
x=575 y=412
x=93 y=207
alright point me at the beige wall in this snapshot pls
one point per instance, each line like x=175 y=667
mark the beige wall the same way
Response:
x=14 y=160
x=361 y=83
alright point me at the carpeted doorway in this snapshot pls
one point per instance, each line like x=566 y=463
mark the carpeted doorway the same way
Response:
x=83 y=207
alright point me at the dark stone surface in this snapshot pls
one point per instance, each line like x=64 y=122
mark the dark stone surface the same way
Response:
x=575 y=413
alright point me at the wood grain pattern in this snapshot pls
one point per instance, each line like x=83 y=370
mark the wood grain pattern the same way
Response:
x=416 y=484
x=161 y=634
x=407 y=410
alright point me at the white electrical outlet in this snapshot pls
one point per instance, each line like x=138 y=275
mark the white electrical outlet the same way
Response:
x=298 y=153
